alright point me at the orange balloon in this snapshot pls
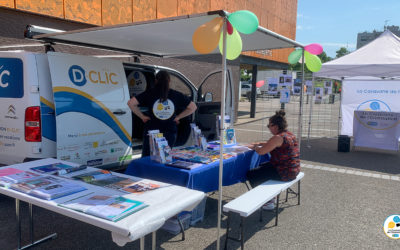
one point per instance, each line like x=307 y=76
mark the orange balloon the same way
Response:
x=206 y=37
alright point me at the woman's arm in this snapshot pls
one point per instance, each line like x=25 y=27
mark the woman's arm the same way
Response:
x=188 y=111
x=274 y=142
x=133 y=105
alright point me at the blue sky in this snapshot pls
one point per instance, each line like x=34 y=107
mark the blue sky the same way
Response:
x=335 y=23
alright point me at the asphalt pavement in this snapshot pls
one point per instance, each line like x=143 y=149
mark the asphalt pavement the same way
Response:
x=345 y=199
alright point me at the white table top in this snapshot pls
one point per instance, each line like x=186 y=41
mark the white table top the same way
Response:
x=163 y=202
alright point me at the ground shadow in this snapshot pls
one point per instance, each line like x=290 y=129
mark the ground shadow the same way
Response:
x=252 y=223
x=324 y=151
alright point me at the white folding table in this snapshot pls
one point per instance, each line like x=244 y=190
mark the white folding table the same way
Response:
x=164 y=203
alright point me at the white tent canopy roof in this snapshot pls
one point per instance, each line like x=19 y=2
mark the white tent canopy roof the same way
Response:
x=379 y=58
x=163 y=37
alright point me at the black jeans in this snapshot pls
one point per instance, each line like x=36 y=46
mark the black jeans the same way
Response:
x=169 y=136
x=262 y=174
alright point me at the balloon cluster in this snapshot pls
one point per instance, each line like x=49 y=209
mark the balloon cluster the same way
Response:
x=208 y=36
x=312 y=61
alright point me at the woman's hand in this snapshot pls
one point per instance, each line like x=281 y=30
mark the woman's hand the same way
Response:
x=145 y=119
x=176 y=120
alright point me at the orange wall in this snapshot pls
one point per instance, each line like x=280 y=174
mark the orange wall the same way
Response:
x=276 y=15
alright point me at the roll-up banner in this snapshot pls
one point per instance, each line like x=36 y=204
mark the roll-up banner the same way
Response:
x=374 y=129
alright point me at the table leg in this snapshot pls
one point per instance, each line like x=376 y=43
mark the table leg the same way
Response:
x=242 y=232
x=153 y=242
x=31 y=221
x=18 y=223
x=17 y=213
x=142 y=243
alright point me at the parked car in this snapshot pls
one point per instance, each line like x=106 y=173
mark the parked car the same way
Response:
x=246 y=88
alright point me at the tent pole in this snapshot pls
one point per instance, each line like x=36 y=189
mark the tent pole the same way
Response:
x=310 y=116
x=300 y=125
x=221 y=135
x=340 y=107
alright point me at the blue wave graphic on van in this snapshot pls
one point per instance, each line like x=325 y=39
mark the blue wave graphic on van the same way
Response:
x=81 y=102
x=48 y=119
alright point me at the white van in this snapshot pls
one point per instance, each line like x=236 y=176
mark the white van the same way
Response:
x=73 y=107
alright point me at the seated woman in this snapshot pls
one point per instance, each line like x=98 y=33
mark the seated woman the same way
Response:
x=284 y=164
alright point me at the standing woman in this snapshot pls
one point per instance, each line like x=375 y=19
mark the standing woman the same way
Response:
x=162 y=103
x=285 y=155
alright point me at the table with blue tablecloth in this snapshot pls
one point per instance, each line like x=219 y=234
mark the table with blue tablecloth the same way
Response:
x=203 y=178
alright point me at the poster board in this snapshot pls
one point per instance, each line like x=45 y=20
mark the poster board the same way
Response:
x=273 y=86
x=309 y=87
x=319 y=93
x=297 y=86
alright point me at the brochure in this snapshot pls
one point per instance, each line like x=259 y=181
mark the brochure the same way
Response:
x=9 y=171
x=93 y=176
x=109 y=207
x=57 y=168
x=121 y=184
x=230 y=137
x=140 y=187
x=108 y=182
x=47 y=187
x=17 y=177
x=184 y=164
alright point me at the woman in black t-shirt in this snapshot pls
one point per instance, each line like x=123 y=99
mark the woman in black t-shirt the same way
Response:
x=162 y=103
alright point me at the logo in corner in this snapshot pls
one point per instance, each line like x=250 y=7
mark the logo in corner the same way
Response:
x=391 y=226
x=77 y=75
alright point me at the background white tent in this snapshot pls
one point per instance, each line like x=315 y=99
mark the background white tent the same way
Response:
x=379 y=58
x=368 y=76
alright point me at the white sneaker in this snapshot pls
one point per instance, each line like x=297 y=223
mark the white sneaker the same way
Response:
x=270 y=205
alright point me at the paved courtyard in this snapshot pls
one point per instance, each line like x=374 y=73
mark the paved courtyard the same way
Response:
x=345 y=200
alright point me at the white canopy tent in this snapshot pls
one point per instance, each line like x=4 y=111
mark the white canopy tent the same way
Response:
x=171 y=37
x=380 y=58
x=373 y=67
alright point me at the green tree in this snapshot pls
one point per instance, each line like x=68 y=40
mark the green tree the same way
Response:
x=245 y=75
x=341 y=52
x=324 y=57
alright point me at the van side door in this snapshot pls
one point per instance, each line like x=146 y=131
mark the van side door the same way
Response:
x=93 y=122
x=209 y=102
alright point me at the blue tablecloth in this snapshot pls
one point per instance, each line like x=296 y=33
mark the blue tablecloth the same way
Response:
x=203 y=178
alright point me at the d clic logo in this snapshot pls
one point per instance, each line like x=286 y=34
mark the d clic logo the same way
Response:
x=3 y=82
x=391 y=226
x=78 y=76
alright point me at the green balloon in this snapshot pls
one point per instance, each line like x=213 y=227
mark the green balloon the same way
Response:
x=295 y=56
x=313 y=62
x=233 y=45
x=244 y=21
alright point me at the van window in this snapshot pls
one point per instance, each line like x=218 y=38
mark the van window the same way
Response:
x=179 y=85
x=212 y=85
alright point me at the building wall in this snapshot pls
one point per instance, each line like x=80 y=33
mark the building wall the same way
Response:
x=276 y=15
x=367 y=37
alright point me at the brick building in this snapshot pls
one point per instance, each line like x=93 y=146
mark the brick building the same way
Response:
x=276 y=15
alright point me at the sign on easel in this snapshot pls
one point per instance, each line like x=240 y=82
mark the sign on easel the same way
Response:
x=375 y=129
